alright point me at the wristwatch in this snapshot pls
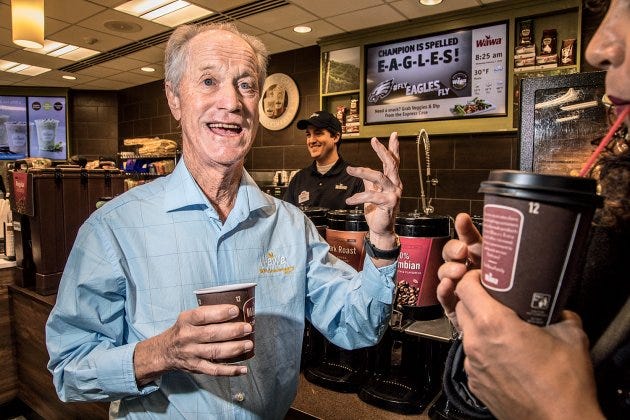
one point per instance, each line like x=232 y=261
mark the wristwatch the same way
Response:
x=379 y=254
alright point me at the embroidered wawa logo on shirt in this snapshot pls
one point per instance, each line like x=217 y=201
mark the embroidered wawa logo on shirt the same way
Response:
x=340 y=186
x=271 y=264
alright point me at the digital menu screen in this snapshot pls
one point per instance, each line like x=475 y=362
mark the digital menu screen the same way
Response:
x=13 y=128
x=458 y=74
x=47 y=127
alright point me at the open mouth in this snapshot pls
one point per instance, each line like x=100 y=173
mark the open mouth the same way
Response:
x=222 y=128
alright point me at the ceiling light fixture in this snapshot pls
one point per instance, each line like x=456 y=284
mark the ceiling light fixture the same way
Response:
x=68 y=77
x=430 y=2
x=25 y=69
x=28 y=23
x=302 y=29
x=165 y=12
x=148 y=69
x=61 y=50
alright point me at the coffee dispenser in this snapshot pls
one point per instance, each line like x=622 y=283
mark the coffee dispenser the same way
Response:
x=331 y=366
x=408 y=368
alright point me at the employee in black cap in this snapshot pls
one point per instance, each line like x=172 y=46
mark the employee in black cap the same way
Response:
x=325 y=183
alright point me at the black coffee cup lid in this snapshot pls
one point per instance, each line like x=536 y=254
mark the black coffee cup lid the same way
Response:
x=567 y=190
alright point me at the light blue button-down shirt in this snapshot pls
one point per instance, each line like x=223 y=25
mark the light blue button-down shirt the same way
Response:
x=135 y=264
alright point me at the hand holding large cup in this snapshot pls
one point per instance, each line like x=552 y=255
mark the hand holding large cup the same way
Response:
x=534 y=233
x=243 y=297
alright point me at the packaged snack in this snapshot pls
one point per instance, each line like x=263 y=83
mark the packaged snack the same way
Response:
x=526 y=32
x=567 y=52
x=549 y=42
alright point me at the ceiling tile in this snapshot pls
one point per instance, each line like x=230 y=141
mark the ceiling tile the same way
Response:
x=104 y=84
x=147 y=28
x=10 y=78
x=158 y=73
x=320 y=29
x=148 y=55
x=277 y=44
x=367 y=18
x=80 y=36
x=98 y=71
x=134 y=78
x=219 y=5
x=71 y=11
x=413 y=10
x=248 y=29
x=282 y=17
x=123 y=64
x=327 y=8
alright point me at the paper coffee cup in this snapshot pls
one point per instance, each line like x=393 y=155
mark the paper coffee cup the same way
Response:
x=534 y=234
x=242 y=295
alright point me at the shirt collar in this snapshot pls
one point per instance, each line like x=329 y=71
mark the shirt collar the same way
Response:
x=183 y=192
x=335 y=170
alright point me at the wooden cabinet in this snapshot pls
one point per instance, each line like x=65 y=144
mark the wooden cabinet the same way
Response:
x=29 y=312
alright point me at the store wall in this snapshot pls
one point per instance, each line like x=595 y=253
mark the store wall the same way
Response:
x=459 y=162
x=94 y=124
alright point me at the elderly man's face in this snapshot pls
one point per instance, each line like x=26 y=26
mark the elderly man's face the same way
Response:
x=217 y=104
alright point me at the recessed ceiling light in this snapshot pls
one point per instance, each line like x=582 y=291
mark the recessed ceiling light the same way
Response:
x=430 y=2
x=148 y=69
x=302 y=29
x=66 y=76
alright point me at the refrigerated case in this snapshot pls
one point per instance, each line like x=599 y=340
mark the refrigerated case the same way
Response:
x=562 y=118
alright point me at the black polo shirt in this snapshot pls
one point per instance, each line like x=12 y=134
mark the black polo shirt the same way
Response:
x=330 y=190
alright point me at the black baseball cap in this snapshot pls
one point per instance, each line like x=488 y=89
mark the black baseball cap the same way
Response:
x=321 y=119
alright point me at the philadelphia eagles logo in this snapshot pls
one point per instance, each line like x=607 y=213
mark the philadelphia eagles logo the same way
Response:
x=382 y=90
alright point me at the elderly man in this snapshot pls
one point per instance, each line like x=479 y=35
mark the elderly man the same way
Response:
x=126 y=326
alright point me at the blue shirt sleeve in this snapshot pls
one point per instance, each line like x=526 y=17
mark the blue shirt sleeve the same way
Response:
x=350 y=308
x=85 y=331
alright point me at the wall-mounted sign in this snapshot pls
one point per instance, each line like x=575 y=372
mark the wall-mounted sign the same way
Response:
x=279 y=102
x=457 y=74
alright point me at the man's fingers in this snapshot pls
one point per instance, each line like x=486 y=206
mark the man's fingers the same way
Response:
x=466 y=230
x=211 y=314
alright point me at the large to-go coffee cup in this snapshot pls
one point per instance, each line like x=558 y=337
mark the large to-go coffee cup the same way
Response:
x=242 y=295
x=534 y=234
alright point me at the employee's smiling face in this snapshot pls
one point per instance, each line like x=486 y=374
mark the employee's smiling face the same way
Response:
x=322 y=145
x=217 y=99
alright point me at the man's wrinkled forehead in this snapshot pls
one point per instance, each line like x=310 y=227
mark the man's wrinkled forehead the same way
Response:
x=224 y=43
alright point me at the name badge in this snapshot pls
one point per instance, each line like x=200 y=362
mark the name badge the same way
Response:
x=341 y=187
x=303 y=197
